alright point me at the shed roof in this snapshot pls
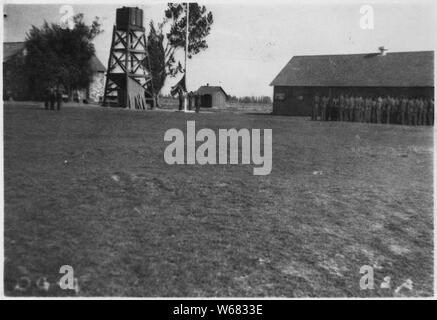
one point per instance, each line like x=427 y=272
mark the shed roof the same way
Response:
x=210 y=90
x=11 y=48
x=396 y=69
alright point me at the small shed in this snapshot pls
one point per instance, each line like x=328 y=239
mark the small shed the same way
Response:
x=211 y=96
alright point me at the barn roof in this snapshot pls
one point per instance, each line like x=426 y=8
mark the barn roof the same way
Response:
x=12 y=48
x=397 y=69
x=96 y=65
x=210 y=90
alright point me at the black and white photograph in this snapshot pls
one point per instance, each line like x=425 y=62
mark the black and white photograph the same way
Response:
x=215 y=150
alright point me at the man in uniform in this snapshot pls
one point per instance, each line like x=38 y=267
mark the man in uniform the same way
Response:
x=389 y=109
x=367 y=109
x=419 y=111
x=395 y=112
x=378 y=109
x=362 y=109
x=383 y=110
x=364 y=113
x=428 y=111
x=329 y=109
x=351 y=108
x=372 y=110
x=52 y=96
x=341 y=108
x=365 y=105
x=416 y=112
x=189 y=100
x=335 y=108
x=47 y=98
x=316 y=107
x=58 y=94
x=425 y=112
x=411 y=111
x=346 y=108
x=181 y=99
x=403 y=110
x=357 y=109
x=325 y=100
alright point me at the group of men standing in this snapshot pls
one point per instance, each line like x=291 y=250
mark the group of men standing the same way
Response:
x=402 y=110
x=52 y=97
x=192 y=100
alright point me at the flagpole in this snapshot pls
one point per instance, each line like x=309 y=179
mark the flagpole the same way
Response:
x=186 y=57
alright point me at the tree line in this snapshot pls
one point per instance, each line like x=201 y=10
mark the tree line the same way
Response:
x=235 y=99
x=251 y=99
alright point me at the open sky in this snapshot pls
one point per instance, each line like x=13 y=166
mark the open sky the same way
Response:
x=251 y=42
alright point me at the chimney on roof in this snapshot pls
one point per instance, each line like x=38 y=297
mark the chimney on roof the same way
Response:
x=207 y=84
x=382 y=51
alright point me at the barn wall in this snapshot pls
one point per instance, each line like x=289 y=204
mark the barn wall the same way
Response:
x=297 y=101
x=96 y=87
x=218 y=99
x=294 y=101
x=15 y=80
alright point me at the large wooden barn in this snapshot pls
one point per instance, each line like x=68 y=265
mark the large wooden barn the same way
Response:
x=367 y=75
x=211 y=96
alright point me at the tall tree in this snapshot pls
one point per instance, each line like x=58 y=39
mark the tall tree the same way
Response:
x=60 y=56
x=163 y=48
x=200 y=21
x=160 y=64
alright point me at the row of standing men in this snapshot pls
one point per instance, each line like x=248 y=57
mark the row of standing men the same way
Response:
x=53 y=96
x=403 y=110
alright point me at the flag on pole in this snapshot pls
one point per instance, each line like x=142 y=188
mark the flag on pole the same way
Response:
x=181 y=85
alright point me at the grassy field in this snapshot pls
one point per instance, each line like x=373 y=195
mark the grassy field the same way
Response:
x=88 y=187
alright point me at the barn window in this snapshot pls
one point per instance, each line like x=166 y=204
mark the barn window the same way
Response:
x=279 y=96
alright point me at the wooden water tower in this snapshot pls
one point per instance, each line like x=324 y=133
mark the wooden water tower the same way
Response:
x=128 y=79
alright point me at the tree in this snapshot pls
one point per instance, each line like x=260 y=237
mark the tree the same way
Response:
x=60 y=56
x=162 y=49
x=200 y=21
x=161 y=65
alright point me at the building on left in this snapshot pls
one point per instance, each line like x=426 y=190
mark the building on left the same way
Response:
x=14 y=81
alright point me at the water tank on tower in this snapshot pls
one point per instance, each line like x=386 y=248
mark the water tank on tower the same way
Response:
x=129 y=17
x=128 y=80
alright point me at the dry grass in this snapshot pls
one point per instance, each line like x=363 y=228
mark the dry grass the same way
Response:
x=89 y=187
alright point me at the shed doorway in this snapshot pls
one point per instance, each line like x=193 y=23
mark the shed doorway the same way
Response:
x=207 y=101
